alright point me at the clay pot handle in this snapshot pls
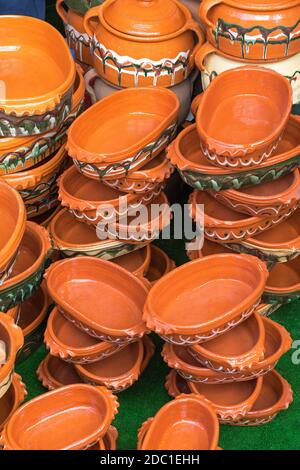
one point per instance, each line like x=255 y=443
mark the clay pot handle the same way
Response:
x=87 y=24
x=111 y=398
x=89 y=76
x=192 y=25
x=143 y=431
x=204 y=8
x=62 y=12
x=196 y=103
x=202 y=53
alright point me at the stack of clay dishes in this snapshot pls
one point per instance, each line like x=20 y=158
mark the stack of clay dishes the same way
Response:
x=187 y=423
x=37 y=425
x=12 y=399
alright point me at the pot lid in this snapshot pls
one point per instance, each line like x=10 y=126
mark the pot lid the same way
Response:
x=145 y=17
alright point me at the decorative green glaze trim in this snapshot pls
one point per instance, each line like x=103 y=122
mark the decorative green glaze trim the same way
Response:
x=82 y=6
x=281 y=298
x=268 y=257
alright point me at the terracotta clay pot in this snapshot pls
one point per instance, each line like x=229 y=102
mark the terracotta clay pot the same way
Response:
x=121 y=152
x=137 y=262
x=13 y=340
x=122 y=294
x=253 y=30
x=231 y=401
x=12 y=227
x=27 y=273
x=93 y=407
x=92 y=201
x=32 y=319
x=163 y=311
x=167 y=430
x=211 y=62
x=72 y=238
x=160 y=265
x=12 y=399
x=185 y=153
x=108 y=442
x=143 y=44
x=283 y=285
x=42 y=100
x=224 y=225
x=176 y=385
x=263 y=96
x=55 y=373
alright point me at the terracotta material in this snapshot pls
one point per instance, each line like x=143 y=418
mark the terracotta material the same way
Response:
x=42 y=99
x=108 y=442
x=137 y=262
x=266 y=310
x=253 y=30
x=93 y=407
x=27 y=272
x=259 y=95
x=230 y=400
x=160 y=265
x=72 y=238
x=12 y=399
x=55 y=373
x=14 y=313
x=122 y=294
x=167 y=430
x=12 y=227
x=32 y=319
x=185 y=153
x=92 y=201
x=122 y=152
x=45 y=218
x=13 y=339
x=224 y=225
x=266 y=199
x=143 y=44
x=283 y=285
x=66 y=341
x=163 y=311
x=176 y=385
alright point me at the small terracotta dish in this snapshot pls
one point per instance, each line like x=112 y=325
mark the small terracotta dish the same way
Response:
x=232 y=283
x=176 y=385
x=13 y=218
x=12 y=399
x=224 y=225
x=230 y=400
x=242 y=115
x=283 y=285
x=108 y=151
x=199 y=430
x=55 y=373
x=27 y=273
x=160 y=265
x=137 y=262
x=42 y=99
x=122 y=294
x=32 y=319
x=37 y=425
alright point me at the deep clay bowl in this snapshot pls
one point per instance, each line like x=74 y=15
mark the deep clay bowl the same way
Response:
x=55 y=373
x=76 y=286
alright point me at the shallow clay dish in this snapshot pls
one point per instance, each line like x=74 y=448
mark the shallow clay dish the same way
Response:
x=105 y=149
x=168 y=431
x=93 y=407
x=237 y=283
x=42 y=99
x=137 y=262
x=122 y=294
x=12 y=399
x=245 y=130
x=185 y=153
x=176 y=385
x=230 y=400
x=27 y=273
x=13 y=339
x=12 y=227
x=160 y=265
x=55 y=373
x=283 y=285
x=224 y=225
x=66 y=341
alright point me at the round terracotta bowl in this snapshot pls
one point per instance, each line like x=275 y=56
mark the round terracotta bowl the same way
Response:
x=262 y=97
x=66 y=341
x=176 y=385
x=92 y=201
x=276 y=395
x=121 y=153
x=117 y=372
x=32 y=319
x=55 y=373
x=27 y=273
x=186 y=154
x=239 y=281
x=168 y=431
x=12 y=399
x=231 y=401
x=12 y=227
x=37 y=424
x=160 y=265
x=224 y=225
x=283 y=285
x=72 y=238
x=122 y=294
x=12 y=340
x=43 y=100
x=267 y=199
